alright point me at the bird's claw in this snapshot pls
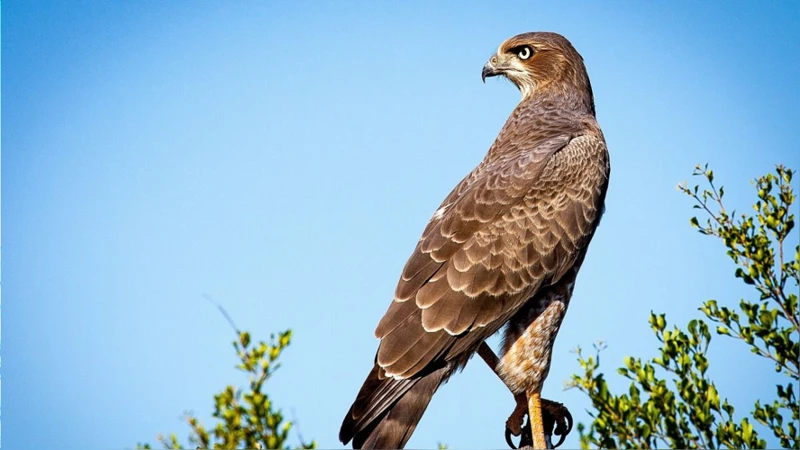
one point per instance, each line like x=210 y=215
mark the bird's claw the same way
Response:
x=526 y=440
x=515 y=420
x=554 y=415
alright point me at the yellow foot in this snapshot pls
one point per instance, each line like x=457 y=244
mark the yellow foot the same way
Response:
x=553 y=414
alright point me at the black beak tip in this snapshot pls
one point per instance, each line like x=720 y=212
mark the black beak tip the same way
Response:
x=487 y=72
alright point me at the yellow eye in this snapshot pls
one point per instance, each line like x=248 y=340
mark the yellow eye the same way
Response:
x=524 y=53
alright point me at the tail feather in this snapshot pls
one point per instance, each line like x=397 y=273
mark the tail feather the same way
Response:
x=386 y=411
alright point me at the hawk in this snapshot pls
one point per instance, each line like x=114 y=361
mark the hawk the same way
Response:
x=503 y=249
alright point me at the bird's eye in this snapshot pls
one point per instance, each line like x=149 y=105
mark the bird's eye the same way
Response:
x=524 y=53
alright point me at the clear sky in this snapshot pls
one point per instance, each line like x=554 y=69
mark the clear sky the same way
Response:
x=283 y=158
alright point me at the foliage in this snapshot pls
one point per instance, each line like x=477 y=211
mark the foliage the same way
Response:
x=671 y=401
x=245 y=419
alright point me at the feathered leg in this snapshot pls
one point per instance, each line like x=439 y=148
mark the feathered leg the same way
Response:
x=548 y=414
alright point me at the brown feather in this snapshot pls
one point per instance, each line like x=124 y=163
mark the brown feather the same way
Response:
x=395 y=426
x=503 y=247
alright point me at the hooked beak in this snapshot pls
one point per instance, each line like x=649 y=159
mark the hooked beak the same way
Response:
x=489 y=70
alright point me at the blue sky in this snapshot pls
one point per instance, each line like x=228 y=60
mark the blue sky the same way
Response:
x=283 y=158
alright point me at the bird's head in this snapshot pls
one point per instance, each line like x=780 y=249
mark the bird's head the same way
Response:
x=538 y=61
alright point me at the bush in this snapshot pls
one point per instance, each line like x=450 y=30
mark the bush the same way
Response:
x=246 y=419
x=671 y=401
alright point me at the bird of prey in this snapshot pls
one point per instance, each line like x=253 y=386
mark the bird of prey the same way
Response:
x=503 y=249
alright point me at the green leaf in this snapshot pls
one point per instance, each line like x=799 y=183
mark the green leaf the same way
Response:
x=679 y=405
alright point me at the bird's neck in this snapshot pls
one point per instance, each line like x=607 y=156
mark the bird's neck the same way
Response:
x=543 y=116
x=566 y=98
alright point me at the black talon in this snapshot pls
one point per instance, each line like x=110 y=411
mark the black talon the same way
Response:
x=560 y=431
x=508 y=439
x=557 y=421
x=554 y=412
x=526 y=437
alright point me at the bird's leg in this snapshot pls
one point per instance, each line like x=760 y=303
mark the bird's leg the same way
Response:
x=535 y=418
x=514 y=422
x=552 y=414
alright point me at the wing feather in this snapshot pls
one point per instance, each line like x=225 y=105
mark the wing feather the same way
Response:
x=515 y=224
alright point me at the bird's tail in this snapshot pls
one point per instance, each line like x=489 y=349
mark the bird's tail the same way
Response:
x=386 y=411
